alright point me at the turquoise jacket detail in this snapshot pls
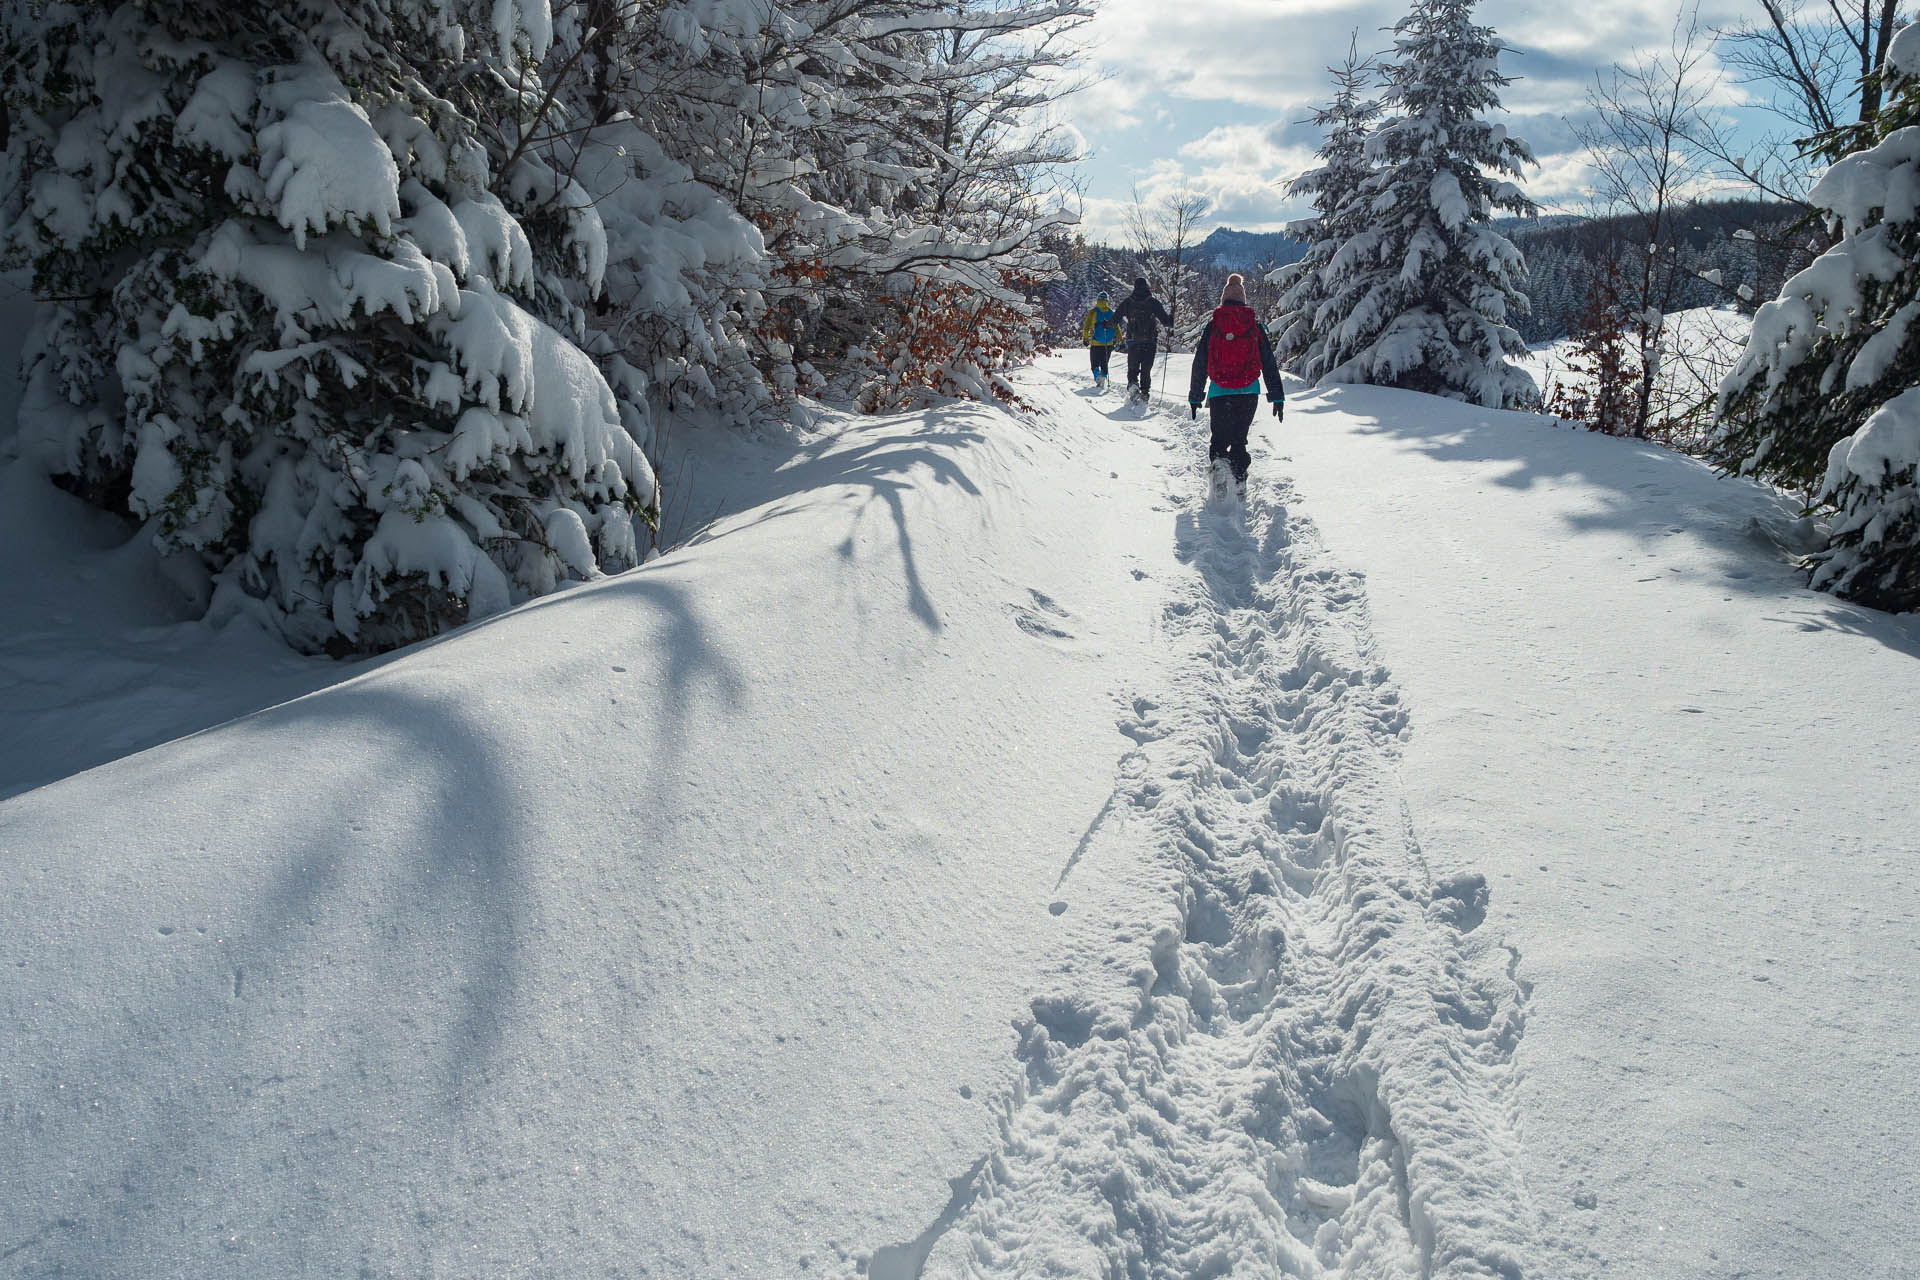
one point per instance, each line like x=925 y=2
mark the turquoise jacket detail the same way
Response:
x=1215 y=389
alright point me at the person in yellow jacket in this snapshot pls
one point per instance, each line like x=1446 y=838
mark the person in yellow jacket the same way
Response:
x=1100 y=331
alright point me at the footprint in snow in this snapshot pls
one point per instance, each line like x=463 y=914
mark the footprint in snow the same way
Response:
x=1043 y=619
x=1046 y=603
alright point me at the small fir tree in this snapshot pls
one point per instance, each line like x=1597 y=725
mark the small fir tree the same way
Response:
x=1299 y=325
x=1419 y=295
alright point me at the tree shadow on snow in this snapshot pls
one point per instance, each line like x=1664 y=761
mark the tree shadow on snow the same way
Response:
x=695 y=660
x=882 y=471
x=1646 y=491
x=409 y=898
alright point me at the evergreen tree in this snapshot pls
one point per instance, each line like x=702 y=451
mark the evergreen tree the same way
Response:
x=1420 y=295
x=1826 y=396
x=1299 y=325
x=309 y=318
x=378 y=307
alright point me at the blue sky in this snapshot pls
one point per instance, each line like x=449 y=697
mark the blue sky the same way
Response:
x=1208 y=96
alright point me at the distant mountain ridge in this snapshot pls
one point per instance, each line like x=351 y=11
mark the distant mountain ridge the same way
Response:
x=1242 y=250
x=1236 y=250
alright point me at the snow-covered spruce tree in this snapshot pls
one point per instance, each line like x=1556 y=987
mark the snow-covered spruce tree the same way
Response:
x=313 y=310
x=1419 y=296
x=1298 y=326
x=888 y=153
x=1826 y=397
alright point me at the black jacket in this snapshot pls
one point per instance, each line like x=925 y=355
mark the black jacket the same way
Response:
x=1143 y=315
x=1197 y=384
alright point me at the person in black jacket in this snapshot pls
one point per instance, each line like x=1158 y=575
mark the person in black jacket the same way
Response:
x=1229 y=363
x=1142 y=315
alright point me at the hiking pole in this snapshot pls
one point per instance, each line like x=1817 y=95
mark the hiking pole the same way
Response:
x=1173 y=331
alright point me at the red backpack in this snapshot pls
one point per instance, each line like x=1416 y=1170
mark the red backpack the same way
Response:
x=1233 y=350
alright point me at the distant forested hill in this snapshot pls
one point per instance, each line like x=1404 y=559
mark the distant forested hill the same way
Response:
x=1750 y=243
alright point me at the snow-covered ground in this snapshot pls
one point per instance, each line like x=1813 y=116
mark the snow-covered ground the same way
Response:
x=1688 y=780
x=977 y=854
x=101 y=656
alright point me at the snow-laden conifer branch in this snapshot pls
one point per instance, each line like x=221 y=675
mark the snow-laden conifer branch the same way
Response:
x=1822 y=398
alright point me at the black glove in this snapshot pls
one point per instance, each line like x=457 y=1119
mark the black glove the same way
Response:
x=1279 y=411
x=1193 y=410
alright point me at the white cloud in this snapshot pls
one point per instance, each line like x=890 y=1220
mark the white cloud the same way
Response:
x=1227 y=84
x=1244 y=51
x=1240 y=169
x=1235 y=146
x=1259 y=53
x=1561 y=179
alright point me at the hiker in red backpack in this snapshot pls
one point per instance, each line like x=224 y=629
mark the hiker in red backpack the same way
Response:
x=1233 y=355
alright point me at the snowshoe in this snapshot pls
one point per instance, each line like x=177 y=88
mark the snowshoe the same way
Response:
x=1223 y=491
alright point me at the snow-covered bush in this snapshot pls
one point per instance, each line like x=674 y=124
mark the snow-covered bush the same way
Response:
x=1419 y=295
x=309 y=317
x=1823 y=398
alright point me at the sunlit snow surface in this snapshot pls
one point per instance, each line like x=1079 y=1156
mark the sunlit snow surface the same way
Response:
x=1687 y=780
x=979 y=852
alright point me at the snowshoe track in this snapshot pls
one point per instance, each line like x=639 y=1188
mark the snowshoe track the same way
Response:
x=1299 y=1066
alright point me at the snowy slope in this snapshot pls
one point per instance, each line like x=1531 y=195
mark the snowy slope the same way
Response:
x=766 y=910
x=658 y=928
x=979 y=855
x=104 y=654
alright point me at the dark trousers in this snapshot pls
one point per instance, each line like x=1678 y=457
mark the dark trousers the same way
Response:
x=1100 y=356
x=1230 y=418
x=1140 y=365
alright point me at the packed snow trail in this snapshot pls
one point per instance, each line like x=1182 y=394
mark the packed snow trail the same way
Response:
x=1293 y=1058
x=1688 y=781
